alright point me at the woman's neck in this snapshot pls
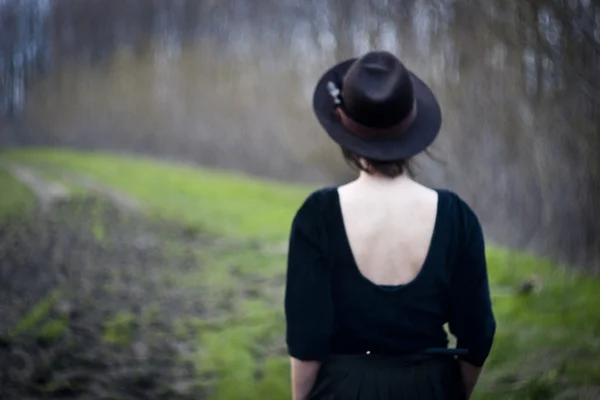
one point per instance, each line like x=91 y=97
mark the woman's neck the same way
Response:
x=379 y=180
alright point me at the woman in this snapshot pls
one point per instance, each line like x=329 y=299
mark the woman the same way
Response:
x=378 y=266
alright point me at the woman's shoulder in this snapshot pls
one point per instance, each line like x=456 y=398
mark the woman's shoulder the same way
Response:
x=316 y=202
x=458 y=207
x=319 y=197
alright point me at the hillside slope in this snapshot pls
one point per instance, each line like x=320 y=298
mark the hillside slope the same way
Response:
x=150 y=280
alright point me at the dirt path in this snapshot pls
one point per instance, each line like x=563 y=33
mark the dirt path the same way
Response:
x=84 y=307
x=120 y=200
x=48 y=192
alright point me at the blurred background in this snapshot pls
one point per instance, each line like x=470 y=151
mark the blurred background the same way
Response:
x=227 y=85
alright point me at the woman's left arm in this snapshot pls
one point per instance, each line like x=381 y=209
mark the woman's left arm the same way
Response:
x=308 y=302
x=304 y=375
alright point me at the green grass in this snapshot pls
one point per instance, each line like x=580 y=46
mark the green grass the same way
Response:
x=118 y=330
x=37 y=317
x=546 y=342
x=16 y=199
x=220 y=202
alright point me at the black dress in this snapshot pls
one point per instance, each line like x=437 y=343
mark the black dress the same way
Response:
x=379 y=342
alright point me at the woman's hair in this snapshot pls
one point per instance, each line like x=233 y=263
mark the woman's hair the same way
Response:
x=390 y=169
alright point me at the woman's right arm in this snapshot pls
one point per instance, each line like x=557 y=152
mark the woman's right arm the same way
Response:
x=471 y=316
x=470 y=375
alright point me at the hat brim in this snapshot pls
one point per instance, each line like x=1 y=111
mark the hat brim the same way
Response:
x=418 y=137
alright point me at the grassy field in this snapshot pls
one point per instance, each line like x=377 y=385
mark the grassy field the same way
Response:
x=209 y=283
x=16 y=200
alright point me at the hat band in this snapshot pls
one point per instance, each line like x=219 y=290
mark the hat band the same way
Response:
x=371 y=132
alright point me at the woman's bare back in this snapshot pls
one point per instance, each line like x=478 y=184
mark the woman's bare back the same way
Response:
x=389 y=225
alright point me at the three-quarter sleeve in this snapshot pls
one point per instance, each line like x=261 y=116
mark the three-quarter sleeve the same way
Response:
x=471 y=316
x=308 y=302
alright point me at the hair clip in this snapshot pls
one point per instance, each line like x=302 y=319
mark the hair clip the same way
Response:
x=334 y=92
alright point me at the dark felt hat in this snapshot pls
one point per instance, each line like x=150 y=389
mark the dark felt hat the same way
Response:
x=376 y=108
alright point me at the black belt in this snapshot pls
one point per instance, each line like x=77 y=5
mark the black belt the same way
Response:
x=431 y=351
x=445 y=351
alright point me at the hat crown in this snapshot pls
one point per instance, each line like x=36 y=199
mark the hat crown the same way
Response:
x=377 y=90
